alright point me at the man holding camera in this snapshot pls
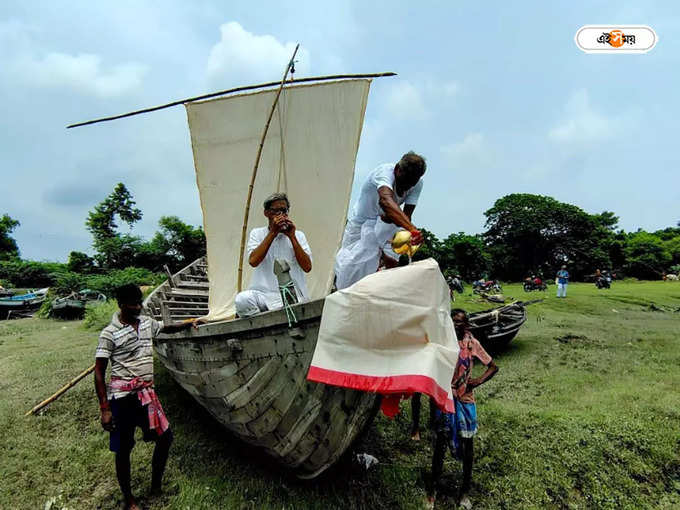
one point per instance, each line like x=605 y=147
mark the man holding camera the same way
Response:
x=279 y=240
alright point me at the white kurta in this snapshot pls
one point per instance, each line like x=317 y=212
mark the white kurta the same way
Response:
x=263 y=279
x=365 y=233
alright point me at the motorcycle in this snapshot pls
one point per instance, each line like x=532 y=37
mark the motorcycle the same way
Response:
x=603 y=282
x=531 y=284
x=456 y=284
x=488 y=286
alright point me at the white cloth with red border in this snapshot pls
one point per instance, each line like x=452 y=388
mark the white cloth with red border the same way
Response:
x=390 y=333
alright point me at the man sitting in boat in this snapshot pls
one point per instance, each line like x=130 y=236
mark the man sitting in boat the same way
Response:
x=377 y=216
x=279 y=240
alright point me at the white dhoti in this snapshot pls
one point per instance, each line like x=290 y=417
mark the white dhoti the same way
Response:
x=362 y=245
x=251 y=302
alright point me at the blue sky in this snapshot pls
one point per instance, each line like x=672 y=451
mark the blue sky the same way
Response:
x=496 y=95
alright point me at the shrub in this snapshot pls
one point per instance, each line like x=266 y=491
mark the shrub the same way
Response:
x=98 y=315
x=23 y=273
x=108 y=283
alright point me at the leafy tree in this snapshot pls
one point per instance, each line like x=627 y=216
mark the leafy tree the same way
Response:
x=673 y=248
x=79 y=262
x=176 y=244
x=646 y=255
x=528 y=233
x=114 y=250
x=8 y=246
x=466 y=255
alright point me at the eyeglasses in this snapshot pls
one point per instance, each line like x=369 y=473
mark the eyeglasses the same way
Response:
x=279 y=210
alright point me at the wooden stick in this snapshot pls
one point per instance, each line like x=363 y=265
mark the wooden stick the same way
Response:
x=58 y=394
x=225 y=92
x=257 y=163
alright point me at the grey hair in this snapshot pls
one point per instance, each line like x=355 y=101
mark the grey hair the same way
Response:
x=412 y=162
x=275 y=197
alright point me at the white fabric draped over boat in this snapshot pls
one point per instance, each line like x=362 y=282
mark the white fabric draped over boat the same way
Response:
x=309 y=153
x=391 y=332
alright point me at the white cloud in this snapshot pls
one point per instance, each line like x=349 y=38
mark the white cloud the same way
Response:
x=29 y=64
x=243 y=57
x=404 y=100
x=83 y=72
x=582 y=124
x=473 y=152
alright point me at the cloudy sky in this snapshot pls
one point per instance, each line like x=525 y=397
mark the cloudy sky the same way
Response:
x=496 y=95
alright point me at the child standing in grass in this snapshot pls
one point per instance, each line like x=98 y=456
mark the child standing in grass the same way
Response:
x=456 y=430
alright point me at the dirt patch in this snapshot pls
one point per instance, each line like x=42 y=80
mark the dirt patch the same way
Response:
x=569 y=338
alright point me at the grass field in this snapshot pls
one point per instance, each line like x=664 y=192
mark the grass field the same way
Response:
x=588 y=421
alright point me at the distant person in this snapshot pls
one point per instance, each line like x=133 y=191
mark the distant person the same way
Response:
x=378 y=216
x=281 y=240
x=129 y=400
x=456 y=431
x=562 y=278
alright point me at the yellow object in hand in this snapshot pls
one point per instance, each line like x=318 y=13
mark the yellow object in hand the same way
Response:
x=401 y=243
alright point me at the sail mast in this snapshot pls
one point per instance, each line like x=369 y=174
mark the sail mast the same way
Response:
x=257 y=163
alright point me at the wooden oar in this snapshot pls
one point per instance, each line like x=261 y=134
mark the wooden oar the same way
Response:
x=58 y=394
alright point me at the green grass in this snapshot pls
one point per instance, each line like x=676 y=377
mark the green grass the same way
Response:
x=589 y=422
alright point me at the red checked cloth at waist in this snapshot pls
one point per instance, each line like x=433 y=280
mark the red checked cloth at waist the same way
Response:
x=390 y=333
x=147 y=397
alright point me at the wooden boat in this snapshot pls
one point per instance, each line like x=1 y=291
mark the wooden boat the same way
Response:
x=497 y=327
x=23 y=305
x=250 y=374
x=73 y=306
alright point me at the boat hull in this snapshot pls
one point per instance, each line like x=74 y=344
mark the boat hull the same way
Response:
x=251 y=375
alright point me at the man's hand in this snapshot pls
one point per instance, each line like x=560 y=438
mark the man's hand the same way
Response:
x=472 y=384
x=107 y=420
x=279 y=224
x=416 y=237
x=290 y=231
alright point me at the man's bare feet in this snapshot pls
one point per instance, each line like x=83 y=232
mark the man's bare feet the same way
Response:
x=415 y=436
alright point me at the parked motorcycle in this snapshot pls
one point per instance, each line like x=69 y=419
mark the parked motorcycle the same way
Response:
x=531 y=284
x=603 y=282
x=488 y=286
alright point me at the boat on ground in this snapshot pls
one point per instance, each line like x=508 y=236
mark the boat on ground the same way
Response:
x=73 y=306
x=22 y=305
x=251 y=373
x=497 y=327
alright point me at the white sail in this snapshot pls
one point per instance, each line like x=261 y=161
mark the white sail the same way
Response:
x=309 y=153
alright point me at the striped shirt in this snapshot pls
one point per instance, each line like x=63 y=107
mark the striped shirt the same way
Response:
x=129 y=351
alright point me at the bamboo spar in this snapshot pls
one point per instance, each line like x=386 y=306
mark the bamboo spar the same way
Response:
x=257 y=163
x=59 y=393
x=226 y=92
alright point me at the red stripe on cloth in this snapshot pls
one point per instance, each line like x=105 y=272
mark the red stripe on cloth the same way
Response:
x=386 y=385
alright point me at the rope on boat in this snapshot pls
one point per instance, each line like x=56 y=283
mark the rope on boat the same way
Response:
x=286 y=294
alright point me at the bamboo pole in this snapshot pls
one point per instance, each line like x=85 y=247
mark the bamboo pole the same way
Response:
x=225 y=92
x=59 y=393
x=257 y=163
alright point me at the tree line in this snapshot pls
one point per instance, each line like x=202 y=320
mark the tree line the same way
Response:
x=525 y=234
x=119 y=258
x=533 y=234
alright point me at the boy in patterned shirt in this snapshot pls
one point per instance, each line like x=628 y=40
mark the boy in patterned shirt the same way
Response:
x=129 y=401
x=456 y=430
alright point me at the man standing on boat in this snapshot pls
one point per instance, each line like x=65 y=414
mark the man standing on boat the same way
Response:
x=377 y=216
x=129 y=401
x=279 y=240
